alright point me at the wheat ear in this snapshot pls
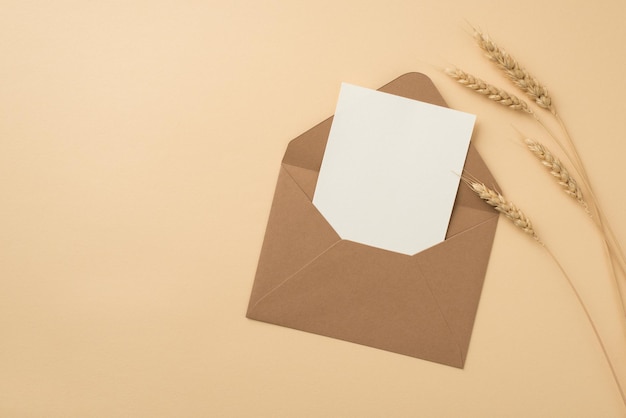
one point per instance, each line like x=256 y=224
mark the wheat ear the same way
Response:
x=493 y=93
x=522 y=78
x=571 y=188
x=539 y=93
x=558 y=170
x=506 y=207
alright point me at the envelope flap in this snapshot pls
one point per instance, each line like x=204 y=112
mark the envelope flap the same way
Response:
x=455 y=270
x=416 y=86
x=469 y=210
x=305 y=179
x=307 y=150
x=367 y=296
x=296 y=233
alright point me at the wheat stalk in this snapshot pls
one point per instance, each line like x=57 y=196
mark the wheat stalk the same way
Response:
x=493 y=93
x=558 y=170
x=570 y=186
x=514 y=214
x=539 y=93
x=519 y=75
x=502 y=97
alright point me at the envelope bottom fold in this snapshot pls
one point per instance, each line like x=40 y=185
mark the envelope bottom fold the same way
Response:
x=355 y=293
x=455 y=272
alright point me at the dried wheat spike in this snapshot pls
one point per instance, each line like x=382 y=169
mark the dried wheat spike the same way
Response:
x=491 y=92
x=507 y=208
x=516 y=72
x=558 y=170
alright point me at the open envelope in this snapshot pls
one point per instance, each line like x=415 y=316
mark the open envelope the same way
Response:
x=308 y=278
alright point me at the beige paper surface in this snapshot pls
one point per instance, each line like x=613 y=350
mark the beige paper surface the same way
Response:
x=139 y=150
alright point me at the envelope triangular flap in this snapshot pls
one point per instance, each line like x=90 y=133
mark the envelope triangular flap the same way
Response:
x=305 y=179
x=367 y=296
x=455 y=270
x=296 y=233
x=307 y=150
x=469 y=209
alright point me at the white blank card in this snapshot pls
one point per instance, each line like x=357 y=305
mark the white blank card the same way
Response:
x=390 y=171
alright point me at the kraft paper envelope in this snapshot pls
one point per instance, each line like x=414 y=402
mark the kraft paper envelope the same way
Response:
x=309 y=279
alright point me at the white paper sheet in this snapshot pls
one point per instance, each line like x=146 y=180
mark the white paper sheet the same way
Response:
x=391 y=169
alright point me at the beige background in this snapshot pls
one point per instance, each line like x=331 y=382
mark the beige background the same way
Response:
x=139 y=147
